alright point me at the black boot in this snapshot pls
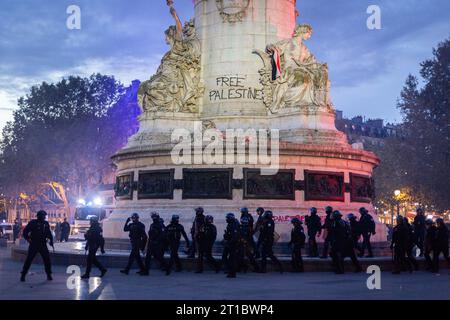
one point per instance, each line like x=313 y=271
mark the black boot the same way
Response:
x=22 y=277
x=103 y=273
x=49 y=277
x=125 y=271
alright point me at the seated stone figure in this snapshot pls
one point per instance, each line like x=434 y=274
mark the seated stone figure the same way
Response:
x=302 y=80
x=176 y=85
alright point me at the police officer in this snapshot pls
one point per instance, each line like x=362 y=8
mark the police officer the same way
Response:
x=138 y=240
x=430 y=236
x=94 y=241
x=355 y=230
x=367 y=229
x=400 y=244
x=409 y=249
x=16 y=230
x=199 y=236
x=155 y=246
x=65 y=231
x=327 y=229
x=342 y=244
x=267 y=240
x=257 y=229
x=297 y=242
x=246 y=244
x=314 y=229
x=36 y=233
x=174 y=232
x=441 y=244
x=208 y=243
x=231 y=243
x=419 y=229
x=246 y=214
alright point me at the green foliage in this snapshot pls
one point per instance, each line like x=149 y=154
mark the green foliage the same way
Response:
x=420 y=160
x=66 y=132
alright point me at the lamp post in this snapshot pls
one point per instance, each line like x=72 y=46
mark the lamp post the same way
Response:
x=397 y=194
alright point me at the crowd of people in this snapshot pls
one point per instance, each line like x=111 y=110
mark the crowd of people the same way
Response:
x=245 y=241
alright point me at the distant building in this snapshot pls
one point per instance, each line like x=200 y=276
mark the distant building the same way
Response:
x=369 y=132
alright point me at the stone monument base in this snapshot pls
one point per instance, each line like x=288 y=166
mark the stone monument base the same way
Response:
x=310 y=175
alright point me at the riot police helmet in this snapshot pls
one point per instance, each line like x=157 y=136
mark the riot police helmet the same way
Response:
x=268 y=214
x=41 y=214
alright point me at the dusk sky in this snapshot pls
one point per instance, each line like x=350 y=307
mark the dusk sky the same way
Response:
x=125 y=38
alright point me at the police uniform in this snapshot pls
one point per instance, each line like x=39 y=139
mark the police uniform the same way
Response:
x=155 y=246
x=138 y=240
x=297 y=242
x=246 y=245
x=94 y=241
x=231 y=243
x=267 y=240
x=174 y=233
x=37 y=232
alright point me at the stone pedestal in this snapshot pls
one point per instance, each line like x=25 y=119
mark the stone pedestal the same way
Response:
x=317 y=165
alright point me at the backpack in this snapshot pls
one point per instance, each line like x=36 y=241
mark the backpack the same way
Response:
x=372 y=225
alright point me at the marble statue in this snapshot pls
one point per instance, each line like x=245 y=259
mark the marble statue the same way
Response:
x=176 y=86
x=291 y=76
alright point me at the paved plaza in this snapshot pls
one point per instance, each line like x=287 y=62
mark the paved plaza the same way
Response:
x=188 y=285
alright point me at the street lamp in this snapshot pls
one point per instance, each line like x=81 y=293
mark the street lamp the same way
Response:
x=397 y=194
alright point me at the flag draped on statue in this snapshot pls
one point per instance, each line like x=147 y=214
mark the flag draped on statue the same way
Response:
x=276 y=64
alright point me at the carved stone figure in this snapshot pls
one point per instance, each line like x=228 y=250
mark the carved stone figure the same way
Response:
x=176 y=86
x=232 y=11
x=292 y=77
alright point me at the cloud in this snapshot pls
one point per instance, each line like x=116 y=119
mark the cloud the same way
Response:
x=367 y=68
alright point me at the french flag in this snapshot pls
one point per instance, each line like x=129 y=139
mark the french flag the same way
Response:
x=276 y=64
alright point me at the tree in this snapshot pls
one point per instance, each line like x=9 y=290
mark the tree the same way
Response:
x=66 y=133
x=420 y=160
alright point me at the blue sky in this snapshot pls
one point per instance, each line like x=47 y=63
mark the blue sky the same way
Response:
x=125 y=38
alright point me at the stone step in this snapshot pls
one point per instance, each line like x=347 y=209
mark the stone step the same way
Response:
x=280 y=249
x=119 y=259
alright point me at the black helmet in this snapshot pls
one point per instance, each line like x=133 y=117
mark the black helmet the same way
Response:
x=419 y=210
x=313 y=210
x=199 y=210
x=41 y=214
x=329 y=209
x=154 y=215
x=268 y=214
x=209 y=219
x=363 y=210
x=244 y=210
x=259 y=209
x=134 y=216
x=93 y=219
x=245 y=220
x=296 y=220
x=351 y=216
x=230 y=217
x=337 y=214
x=176 y=218
x=439 y=221
x=429 y=222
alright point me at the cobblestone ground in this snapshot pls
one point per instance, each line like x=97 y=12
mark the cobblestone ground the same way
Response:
x=188 y=285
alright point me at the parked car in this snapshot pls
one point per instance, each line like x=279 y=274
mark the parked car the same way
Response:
x=6 y=230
